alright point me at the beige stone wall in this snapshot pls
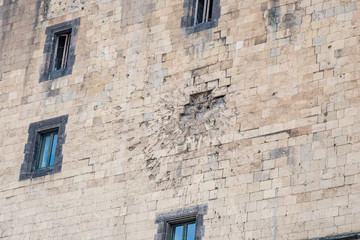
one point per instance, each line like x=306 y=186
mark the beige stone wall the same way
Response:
x=278 y=159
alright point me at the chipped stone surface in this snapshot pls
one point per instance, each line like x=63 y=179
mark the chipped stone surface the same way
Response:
x=255 y=117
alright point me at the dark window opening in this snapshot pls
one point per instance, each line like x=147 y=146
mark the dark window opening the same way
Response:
x=200 y=15
x=62 y=50
x=59 y=50
x=203 y=11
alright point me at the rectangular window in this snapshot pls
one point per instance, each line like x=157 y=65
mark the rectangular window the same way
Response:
x=59 y=50
x=181 y=224
x=200 y=15
x=62 y=50
x=203 y=11
x=43 y=150
x=346 y=236
x=184 y=231
x=46 y=154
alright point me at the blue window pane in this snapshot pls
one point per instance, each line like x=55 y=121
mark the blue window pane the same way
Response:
x=53 y=149
x=45 y=151
x=179 y=233
x=190 y=232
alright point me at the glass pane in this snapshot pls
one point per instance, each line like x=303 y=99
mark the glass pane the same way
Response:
x=178 y=233
x=61 y=40
x=45 y=148
x=53 y=149
x=190 y=232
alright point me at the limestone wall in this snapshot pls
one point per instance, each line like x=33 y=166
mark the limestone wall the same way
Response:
x=257 y=118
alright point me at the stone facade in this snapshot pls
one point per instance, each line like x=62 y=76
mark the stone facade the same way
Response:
x=255 y=117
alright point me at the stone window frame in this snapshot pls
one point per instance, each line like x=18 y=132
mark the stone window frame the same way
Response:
x=36 y=129
x=347 y=236
x=166 y=220
x=187 y=21
x=47 y=71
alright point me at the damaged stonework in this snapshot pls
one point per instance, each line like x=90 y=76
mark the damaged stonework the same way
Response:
x=200 y=103
x=67 y=6
x=182 y=130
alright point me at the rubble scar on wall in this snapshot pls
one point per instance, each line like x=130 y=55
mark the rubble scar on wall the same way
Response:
x=200 y=103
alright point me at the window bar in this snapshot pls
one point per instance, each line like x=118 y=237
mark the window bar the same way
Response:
x=185 y=231
x=196 y=12
x=205 y=11
x=68 y=49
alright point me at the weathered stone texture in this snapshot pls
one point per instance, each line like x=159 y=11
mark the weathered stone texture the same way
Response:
x=256 y=117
